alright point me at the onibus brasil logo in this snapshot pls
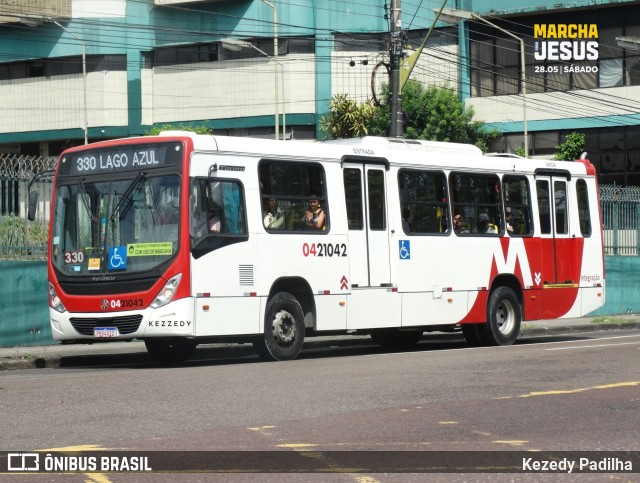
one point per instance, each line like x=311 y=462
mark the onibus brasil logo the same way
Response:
x=566 y=43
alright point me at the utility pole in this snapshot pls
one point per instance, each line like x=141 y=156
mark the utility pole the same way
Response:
x=396 y=129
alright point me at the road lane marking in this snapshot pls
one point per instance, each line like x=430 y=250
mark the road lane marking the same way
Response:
x=590 y=346
x=572 y=391
x=513 y=442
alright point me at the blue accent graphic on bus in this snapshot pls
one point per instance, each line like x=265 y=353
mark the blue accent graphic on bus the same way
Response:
x=404 y=249
x=117 y=258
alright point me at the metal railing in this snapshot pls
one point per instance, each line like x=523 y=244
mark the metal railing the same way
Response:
x=620 y=208
x=21 y=239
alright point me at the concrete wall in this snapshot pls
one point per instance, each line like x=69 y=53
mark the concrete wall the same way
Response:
x=24 y=306
x=622 y=275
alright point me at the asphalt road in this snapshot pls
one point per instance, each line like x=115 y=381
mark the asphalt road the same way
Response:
x=565 y=393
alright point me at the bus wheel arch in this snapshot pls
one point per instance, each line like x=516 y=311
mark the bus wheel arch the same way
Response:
x=301 y=290
x=283 y=329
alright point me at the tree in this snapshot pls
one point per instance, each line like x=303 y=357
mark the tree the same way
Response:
x=157 y=129
x=434 y=114
x=346 y=118
x=572 y=148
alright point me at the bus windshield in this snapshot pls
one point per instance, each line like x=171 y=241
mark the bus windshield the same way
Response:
x=111 y=226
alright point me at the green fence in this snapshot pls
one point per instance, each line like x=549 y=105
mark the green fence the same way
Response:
x=21 y=239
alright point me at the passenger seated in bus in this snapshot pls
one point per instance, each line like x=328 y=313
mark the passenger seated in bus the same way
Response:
x=509 y=222
x=459 y=225
x=485 y=225
x=406 y=220
x=272 y=215
x=314 y=217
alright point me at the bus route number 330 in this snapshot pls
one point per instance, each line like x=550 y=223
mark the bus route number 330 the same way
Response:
x=324 y=249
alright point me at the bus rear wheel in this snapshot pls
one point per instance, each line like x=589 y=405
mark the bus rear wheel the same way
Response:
x=283 y=329
x=504 y=315
x=170 y=351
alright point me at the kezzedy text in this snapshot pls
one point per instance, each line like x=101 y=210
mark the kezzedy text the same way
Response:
x=169 y=323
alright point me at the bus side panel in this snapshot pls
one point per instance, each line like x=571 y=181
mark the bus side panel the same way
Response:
x=227 y=316
x=433 y=308
x=331 y=315
x=373 y=308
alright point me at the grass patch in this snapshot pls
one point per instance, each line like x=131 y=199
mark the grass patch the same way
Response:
x=607 y=320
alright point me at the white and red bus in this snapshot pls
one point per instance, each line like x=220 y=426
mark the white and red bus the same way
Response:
x=181 y=239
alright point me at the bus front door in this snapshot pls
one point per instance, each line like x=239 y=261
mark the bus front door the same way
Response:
x=365 y=193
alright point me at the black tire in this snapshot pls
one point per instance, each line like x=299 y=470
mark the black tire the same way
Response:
x=504 y=315
x=392 y=337
x=170 y=351
x=283 y=329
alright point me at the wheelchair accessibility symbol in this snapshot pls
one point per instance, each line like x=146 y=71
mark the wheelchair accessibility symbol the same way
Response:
x=404 y=249
x=117 y=258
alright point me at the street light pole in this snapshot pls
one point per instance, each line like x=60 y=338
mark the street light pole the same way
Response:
x=275 y=57
x=453 y=16
x=84 y=77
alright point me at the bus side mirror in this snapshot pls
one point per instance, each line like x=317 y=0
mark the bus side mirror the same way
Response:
x=33 y=205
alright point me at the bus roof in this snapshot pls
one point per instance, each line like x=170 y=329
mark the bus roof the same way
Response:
x=396 y=150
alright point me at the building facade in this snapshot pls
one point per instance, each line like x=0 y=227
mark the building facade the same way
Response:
x=76 y=70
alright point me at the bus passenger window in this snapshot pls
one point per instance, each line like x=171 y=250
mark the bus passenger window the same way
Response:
x=423 y=202
x=583 y=208
x=517 y=206
x=298 y=190
x=477 y=198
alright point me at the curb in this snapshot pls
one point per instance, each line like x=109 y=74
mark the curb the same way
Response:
x=574 y=329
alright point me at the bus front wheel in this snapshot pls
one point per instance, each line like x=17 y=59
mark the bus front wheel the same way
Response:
x=283 y=329
x=170 y=351
x=504 y=316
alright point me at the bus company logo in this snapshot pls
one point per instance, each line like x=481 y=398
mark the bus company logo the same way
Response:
x=566 y=42
x=104 y=304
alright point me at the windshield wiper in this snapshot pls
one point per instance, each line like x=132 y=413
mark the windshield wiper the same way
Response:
x=126 y=194
x=83 y=197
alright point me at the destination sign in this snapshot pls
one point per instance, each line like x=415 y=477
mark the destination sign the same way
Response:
x=116 y=159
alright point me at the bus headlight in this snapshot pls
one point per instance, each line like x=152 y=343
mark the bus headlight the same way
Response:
x=54 y=300
x=167 y=292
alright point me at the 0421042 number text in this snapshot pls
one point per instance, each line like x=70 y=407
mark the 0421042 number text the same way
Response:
x=324 y=249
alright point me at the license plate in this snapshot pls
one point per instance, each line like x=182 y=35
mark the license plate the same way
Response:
x=105 y=332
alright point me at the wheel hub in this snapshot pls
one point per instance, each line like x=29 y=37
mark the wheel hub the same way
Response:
x=283 y=327
x=505 y=318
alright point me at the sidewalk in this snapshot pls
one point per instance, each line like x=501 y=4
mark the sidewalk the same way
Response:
x=134 y=352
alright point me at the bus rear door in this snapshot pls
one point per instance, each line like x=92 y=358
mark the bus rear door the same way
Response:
x=557 y=246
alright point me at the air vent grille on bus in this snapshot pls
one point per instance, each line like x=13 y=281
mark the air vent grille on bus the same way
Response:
x=126 y=324
x=246 y=274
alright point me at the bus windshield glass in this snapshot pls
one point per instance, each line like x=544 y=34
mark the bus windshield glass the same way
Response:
x=115 y=226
